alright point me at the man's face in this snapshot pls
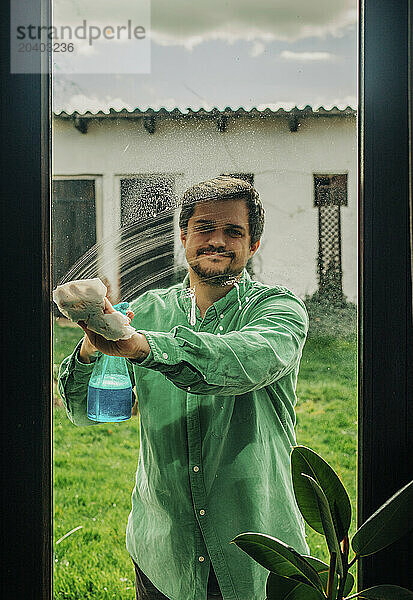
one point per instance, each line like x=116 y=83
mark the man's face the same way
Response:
x=217 y=241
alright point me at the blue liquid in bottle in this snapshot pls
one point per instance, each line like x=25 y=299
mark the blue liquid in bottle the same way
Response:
x=112 y=401
x=109 y=394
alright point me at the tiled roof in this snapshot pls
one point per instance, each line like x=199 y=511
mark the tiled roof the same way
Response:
x=307 y=111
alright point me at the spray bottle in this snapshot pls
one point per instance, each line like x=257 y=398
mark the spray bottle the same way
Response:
x=109 y=396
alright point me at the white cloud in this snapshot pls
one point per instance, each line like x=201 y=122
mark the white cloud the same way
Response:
x=189 y=24
x=307 y=56
x=180 y=22
x=257 y=49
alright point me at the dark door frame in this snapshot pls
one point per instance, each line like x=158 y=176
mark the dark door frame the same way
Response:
x=385 y=300
x=26 y=378
x=385 y=283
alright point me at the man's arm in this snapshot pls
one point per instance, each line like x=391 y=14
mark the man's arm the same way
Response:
x=73 y=381
x=267 y=348
x=87 y=352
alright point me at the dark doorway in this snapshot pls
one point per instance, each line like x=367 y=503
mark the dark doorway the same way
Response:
x=74 y=223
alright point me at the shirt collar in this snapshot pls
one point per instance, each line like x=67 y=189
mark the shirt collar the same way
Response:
x=234 y=296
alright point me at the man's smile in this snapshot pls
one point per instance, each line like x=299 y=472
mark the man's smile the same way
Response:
x=214 y=254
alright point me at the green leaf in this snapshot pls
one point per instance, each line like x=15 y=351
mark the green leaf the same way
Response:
x=327 y=522
x=304 y=460
x=385 y=592
x=322 y=569
x=277 y=557
x=283 y=588
x=390 y=522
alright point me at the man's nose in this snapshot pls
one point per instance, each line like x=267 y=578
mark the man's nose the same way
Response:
x=217 y=237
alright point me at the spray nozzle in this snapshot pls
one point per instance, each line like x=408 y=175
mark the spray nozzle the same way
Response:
x=122 y=307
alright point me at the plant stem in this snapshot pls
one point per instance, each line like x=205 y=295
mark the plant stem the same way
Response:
x=331 y=572
x=351 y=563
x=344 y=556
x=340 y=592
x=346 y=548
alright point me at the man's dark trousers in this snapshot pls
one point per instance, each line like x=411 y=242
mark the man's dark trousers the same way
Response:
x=145 y=590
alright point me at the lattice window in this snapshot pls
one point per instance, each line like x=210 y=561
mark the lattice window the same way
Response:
x=330 y=193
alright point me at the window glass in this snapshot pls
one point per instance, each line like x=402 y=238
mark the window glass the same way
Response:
x=260 y=93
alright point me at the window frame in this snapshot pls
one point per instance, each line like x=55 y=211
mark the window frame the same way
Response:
x=385 y=341
x=385 y=276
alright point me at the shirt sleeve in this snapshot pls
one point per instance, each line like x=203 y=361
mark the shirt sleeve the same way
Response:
x=73 y=381
x=266 y=348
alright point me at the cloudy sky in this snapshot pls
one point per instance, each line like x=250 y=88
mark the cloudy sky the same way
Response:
x=263 y=53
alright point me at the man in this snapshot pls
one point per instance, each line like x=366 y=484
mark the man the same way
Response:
x=215 y=361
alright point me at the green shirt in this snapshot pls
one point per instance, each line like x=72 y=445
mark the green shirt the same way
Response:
x=216 y=402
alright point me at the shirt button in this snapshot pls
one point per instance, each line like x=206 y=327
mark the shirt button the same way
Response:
x=188 y=388
x=221 y=316
x=202 y=512
x=218 y=335
x=201 y=558
x=164 y=355
x=196 y=468
x=221 y=328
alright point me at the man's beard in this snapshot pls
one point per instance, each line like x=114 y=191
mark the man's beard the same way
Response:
x=212 y=278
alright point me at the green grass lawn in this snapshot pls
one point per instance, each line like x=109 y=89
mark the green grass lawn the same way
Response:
x=94 y=467
x=327 y=413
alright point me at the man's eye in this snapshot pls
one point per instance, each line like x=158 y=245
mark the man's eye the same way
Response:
x=235 y=233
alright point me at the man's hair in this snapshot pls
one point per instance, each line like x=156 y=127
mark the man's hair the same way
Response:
x=225 y=187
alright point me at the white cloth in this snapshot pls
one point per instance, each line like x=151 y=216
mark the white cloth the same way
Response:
x=84 y=300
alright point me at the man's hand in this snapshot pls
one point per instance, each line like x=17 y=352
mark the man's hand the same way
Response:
x=86 y=351
x=135 y=347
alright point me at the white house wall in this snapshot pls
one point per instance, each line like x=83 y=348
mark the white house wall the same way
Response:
x=283 y=164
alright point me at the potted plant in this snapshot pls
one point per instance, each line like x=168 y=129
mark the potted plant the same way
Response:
x=325 y=506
